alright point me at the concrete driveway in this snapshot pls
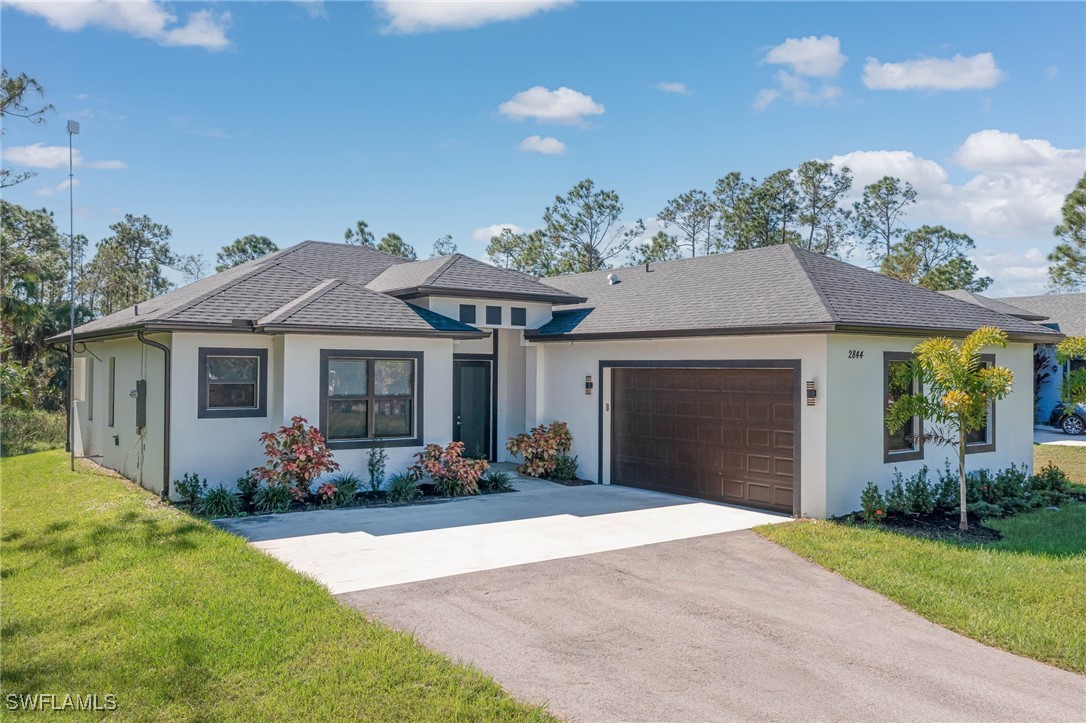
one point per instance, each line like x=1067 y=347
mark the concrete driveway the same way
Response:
x=364 y=548
x=723 y=627
x=1052 y=435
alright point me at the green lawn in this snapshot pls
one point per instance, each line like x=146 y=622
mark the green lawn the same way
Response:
x=1025 y=593
x=106 y=591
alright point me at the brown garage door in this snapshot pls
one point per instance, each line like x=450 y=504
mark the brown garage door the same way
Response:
x=719 y=434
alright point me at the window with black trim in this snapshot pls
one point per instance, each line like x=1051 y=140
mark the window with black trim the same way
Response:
x=467 y=313
x=983 y=439
x=233 y=383
x=906 y=443
x=370 y=398
x=518 y=316
x=494 y=315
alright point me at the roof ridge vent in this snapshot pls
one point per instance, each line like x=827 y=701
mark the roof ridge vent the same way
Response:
x=613 y=279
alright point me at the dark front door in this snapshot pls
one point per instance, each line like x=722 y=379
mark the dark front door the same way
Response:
x=720 y=434
x=471 y=406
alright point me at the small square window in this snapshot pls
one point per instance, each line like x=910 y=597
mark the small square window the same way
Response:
x=233 y=383
x=467 y=313
x=494 y=315
x=518 y=316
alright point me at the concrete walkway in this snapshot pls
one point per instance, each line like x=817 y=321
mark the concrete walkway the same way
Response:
x=720 y=628
x=364 y=548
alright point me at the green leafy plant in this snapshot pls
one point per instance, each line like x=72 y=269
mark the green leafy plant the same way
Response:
x=1073 y=390
x=347 y=486
x=30 y=430
x=565 y=467
x=273 y=498
x=190 y=488
x=297 y=455
x=946 y=489
x=247 y=487
x=496 y=481
x=402 y=487
x=375 y=466
x=956 y=390
x=219 y=502
x=872 y=505
x=919 y=494
x=896 y=501
x=453 y=474
x=541 y=447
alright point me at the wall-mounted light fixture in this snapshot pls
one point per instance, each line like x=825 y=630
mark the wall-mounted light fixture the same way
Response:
x=812 y=394
x=588 y=385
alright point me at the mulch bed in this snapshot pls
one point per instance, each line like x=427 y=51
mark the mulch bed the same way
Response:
x=936 y=526
x=570 y=482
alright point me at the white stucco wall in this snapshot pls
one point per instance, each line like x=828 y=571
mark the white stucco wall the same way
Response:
x=561 y=368
x=855 y=413
x=512 y=390
x=136 y=456
x=220 y=450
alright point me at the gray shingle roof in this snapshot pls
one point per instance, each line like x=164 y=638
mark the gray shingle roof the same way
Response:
x=994 y=304
x=1067 y=311
x=460 y=275
x=771 y=290
x=281 y=290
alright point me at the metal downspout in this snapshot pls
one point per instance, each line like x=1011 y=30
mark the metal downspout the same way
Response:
x=165 y=411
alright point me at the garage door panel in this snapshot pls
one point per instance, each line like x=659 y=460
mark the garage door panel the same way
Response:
x=721 y=434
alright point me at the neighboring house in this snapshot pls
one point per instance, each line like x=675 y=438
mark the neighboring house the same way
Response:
x=755 y=377
x=1065 y=313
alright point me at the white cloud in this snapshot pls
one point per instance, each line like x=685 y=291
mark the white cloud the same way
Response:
x=958 y=73
x=423 y=17
x=1015 y=274
x=765 y=98
x=42 y=156
x=139 y=18
x=678 y=88
x=547 y=146
x=811 y=56
x=1052 y=71
x=1015 y=192
x=195 y=126
x=483 y=234
x=315 y=9
x=562 y=106
x=62 y=186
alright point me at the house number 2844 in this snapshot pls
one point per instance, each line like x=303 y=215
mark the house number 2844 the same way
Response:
x=855 y=353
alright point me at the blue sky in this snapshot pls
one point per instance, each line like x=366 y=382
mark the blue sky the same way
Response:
x=294 y=119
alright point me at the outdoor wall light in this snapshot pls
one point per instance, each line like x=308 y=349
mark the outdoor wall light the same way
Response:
x=812 y=394
x=588 y=385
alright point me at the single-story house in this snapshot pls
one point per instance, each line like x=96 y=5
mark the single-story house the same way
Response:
x=755 y=377
x=1065 y=313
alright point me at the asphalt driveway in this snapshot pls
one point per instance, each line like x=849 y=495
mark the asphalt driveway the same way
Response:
x=720 y=627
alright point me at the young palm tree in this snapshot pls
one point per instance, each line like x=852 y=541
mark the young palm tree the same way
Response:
x=956 y=390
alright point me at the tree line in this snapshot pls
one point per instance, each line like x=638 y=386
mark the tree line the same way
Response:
x=582 y=230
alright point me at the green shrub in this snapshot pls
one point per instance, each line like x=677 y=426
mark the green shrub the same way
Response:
x=896 y=501
x=375 y=466
x=1049 y=478
x=30 y=430
x=565 y=467
x=190 y=488
x=219 y=502
x=247 y=487
x=947 y=490
x=273 y=498
x=347 y=486
x=402 y=488
x=496 y=481
x=919 y=495
x=873 y=506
